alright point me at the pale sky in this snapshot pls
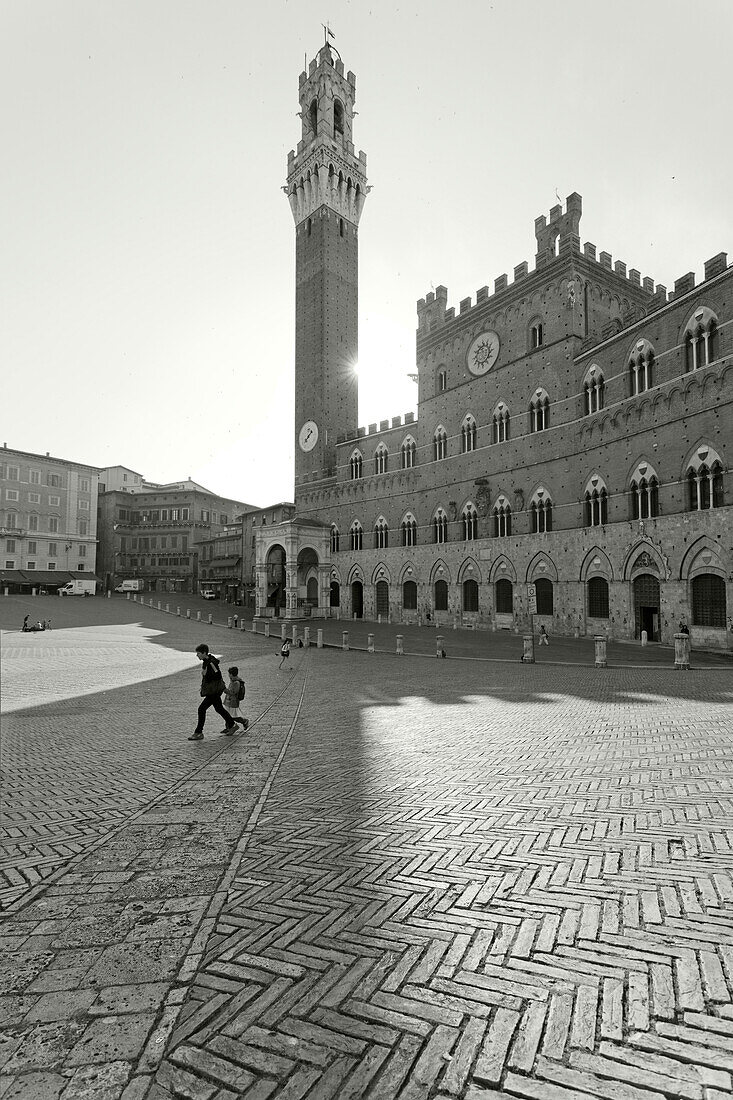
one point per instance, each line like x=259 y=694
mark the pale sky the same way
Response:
x=148 y=250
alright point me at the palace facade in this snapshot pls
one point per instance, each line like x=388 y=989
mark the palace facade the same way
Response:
x=572 y=438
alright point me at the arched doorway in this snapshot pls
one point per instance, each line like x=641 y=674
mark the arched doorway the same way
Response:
x=441 y=596
x=335 y=597
x=357 y=599
x=409 y=596
x=646 y=606
x=312 y=592
x=307 y=580
x=276 y=578
x=382 y=598
x=470 y=595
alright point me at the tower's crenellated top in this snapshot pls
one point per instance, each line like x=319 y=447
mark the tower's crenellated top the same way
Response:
x=325 y=169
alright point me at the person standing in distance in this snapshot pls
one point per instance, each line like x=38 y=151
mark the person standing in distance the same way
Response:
x=212 y=685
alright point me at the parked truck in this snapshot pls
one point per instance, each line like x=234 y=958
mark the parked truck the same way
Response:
x=78 y=588
x=130 y=586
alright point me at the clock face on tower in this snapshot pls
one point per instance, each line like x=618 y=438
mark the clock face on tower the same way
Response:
x=483 y=353
x=308 y=436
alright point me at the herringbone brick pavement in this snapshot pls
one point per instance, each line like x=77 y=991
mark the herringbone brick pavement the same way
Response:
x=515 y=888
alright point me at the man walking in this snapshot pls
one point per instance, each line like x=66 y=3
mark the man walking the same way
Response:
x=212 y=685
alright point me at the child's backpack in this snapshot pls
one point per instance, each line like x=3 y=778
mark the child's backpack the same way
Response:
x=240 y=691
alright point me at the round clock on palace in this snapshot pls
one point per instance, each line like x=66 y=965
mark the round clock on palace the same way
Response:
x=308 y=436
x=483 y=353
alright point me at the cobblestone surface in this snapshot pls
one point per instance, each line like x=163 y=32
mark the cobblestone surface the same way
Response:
x=411 y=879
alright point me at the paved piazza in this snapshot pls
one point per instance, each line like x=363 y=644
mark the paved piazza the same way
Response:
x=410 y=879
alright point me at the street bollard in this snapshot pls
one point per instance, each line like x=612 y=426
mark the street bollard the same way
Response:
x=229 y=622
x=6 y=591
x=151 y=601
x=198 y=616
x=188 y=612
x=211 y=619
x=379 y=618
x=601 y=660
x=109 y=594
x=528 y=649
x=439 y=646
x=306 y=636
x=134 y=598
x=158 y=604
x=400 y=646
x=283 y=631
x=644 y=637
x=178 y=612
x=344 y=639
x=267 y=630
x=319 y=640
x=294 y=637
x=34 y=591
x=682 y=651
x=242 y=624
x=127 y=595
x=168 y=608
x=254 y=627
x=370 y=643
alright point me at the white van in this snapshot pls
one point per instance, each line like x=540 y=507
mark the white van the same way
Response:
x=78 y=588
x=130 y=586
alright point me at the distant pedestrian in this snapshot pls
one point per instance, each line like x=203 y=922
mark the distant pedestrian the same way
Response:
x=284 y=653
x=25 y=628
x=544 y=640
x=212 y=685
x=234 y=696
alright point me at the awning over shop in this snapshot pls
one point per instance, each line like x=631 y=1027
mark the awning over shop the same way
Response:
x=54 y=577
x=11 y=576
x=224 y=563
x=80 y=575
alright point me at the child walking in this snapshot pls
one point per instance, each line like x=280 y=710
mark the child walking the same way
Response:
x=232 y=699
x=284 y=653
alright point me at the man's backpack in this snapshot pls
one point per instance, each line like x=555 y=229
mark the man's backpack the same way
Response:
x=240 y=691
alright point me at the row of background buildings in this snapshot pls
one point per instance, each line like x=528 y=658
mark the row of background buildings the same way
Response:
x=61 y=519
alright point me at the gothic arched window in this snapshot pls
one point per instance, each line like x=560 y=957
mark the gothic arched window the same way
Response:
x=501 y=423
x=469 y=522
x=502 y=518
x=704 y=480
x=641 y=362
x=381 y=534
x=644 y=489
x=408 y=530
x=440 y=443
x=356 y=535
x=440 y=526
x=701 y=338
x=540 y=509
x=593 y=390
x=596 y=502
x=355 y=464
x=539 y=412
x=380 y=459
x=409 y=452
x=468 y=434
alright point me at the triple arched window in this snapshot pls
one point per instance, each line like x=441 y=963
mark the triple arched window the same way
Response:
x=539 y=411
x=408 y=530
x=502 y=518
x=355 y=465
x=701 y=338
x=593 y=390
x=380 y=459
x=704 y=480
x=440 y=526
x=356 y=535
x=469 y=522
x=409 y=453
x=596 y=502
x=381 y=534
x=641 y=366
x=644 y=489
x=440 y=443
x=540 y=510
x=468 y=434
x=500 y=432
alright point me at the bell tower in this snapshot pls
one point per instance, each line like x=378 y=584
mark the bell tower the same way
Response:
x=326 y=188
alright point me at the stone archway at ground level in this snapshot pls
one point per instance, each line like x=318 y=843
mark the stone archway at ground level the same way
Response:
x=357 y=599
x=646 y=606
